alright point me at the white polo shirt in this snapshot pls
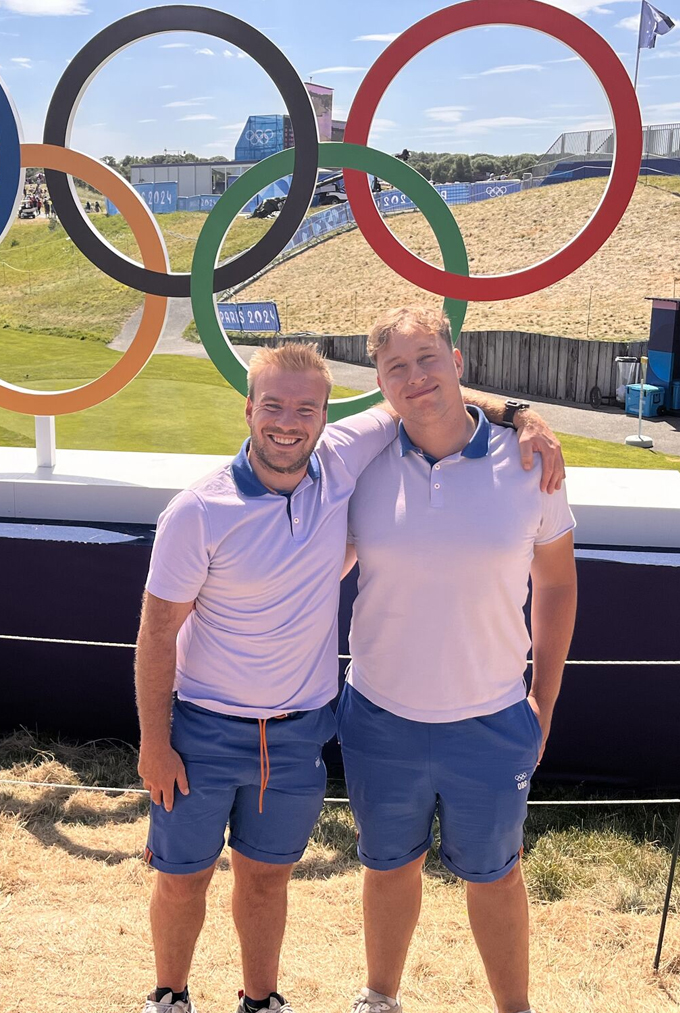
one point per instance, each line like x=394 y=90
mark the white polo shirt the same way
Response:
x=265 y=574
x=438 y=631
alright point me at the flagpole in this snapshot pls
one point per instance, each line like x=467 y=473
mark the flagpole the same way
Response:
x=637 y=57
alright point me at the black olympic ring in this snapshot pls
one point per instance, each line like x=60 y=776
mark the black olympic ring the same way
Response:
x=87 y=63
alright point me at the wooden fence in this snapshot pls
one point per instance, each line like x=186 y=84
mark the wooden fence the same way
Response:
x=562 y=369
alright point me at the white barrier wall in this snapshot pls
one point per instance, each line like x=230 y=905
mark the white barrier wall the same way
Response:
x=617 y=506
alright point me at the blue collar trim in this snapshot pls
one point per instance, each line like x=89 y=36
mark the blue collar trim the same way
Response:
x=478 y=445
x=247 y=481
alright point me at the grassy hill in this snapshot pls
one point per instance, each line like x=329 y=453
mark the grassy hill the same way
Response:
x=47 y=285
x=340 y=286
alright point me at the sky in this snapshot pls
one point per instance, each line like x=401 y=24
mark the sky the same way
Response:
x=499 y=89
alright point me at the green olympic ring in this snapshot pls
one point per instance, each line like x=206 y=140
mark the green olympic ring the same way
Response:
x=332 y=154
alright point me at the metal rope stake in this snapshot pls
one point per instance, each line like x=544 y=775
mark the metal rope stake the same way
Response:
x=669 y=890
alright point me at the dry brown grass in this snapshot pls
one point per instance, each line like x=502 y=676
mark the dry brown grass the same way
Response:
x=340 y=286
x=74 y=895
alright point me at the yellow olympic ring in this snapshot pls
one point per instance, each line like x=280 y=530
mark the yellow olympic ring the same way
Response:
x=154 y=255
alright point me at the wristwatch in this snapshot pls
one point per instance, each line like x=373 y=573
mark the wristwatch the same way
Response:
x=512 y=406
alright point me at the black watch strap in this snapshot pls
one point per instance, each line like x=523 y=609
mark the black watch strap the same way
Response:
x=512 y=406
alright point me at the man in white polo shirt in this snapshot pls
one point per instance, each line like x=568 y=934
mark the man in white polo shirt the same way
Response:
x=240 y=616
x=447 y=527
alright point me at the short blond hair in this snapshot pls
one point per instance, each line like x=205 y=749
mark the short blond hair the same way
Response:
x=404 y=321
x=294 y=357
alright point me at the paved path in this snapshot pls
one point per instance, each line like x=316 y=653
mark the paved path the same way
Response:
x=602 y=424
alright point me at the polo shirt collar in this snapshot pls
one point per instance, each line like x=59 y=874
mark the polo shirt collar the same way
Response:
x=247 y=481
x=478 y=445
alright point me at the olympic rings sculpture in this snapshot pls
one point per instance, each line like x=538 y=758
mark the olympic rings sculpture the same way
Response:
x=158 y=282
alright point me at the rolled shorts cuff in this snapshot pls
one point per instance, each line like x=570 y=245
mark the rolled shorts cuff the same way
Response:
x=384 y=865
x=479 y=877
x=264 y=856
x=183 y=868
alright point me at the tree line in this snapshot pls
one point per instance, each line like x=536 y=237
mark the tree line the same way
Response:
x=463 y=168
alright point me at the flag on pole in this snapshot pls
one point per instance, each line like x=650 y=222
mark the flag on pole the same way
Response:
x=652 y=23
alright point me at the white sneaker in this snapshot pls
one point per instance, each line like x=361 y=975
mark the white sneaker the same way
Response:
x=167 y=1006
x=276 y=1003
x=369 y=1001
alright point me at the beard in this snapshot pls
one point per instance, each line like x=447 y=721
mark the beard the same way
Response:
x=260 y=449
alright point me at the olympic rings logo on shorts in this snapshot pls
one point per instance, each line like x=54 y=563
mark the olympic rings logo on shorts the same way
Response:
x=155 y=279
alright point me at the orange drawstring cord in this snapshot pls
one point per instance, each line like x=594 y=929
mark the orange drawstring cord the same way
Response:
x=264 y=759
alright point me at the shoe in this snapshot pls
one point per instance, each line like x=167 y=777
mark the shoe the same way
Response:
x=276 y=1003
x=152 y=1006
x=369 y=1001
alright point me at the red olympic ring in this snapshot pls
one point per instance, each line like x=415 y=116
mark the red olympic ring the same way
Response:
x=608 y=69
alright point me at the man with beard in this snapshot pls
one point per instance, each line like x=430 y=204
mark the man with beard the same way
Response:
x=240 y=617
x=435 y=720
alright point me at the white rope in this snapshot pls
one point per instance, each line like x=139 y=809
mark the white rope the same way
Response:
x=143 y=791
x=347 y=657
x=54 y=640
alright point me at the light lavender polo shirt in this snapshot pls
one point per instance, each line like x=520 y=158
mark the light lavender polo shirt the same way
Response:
x=263 y=638
x=438 y=631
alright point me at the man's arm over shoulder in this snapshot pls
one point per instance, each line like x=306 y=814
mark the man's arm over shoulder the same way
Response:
x=358 y=439
x=535 y=436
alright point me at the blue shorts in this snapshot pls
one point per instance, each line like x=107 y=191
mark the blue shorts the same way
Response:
x=474 y=773
x=221 y=755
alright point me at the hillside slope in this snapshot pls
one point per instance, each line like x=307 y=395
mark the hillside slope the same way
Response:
x=340 y=286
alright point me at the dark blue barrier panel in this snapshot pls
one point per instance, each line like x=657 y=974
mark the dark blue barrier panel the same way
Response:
x=249 y=316
x=494 y=188
x=160 y=197
x=614 y=724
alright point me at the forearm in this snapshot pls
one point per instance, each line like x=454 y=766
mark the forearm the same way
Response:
x=154 y=680
x=553 y=611
x=494 y=407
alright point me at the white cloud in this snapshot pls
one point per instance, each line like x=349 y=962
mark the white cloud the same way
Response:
x=204 y=52
x=566 y=59
x=166 y=87
x=42 y=8
x=23 y=61
x=231 y=126
x=227 y=52
x=509 y=68
x=242 y=56
x=182 y=104
x=197 y=116
x=632 y=24
x=175 y=45
x=663 y=109
x=664 y=54
x=147 y=121
x=386 y=37
x=584 y=6
x=446 y=114
x=500 y=122
x=339 y=70
x=97 y=124
x=379 y=126
x=663 y=77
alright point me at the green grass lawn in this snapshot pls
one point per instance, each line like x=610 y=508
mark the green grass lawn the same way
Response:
x=49 y=286
x=182 y=405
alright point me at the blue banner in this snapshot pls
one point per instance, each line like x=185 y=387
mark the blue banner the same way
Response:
x=494 y=188
x=249 y=316
x=161 y=198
